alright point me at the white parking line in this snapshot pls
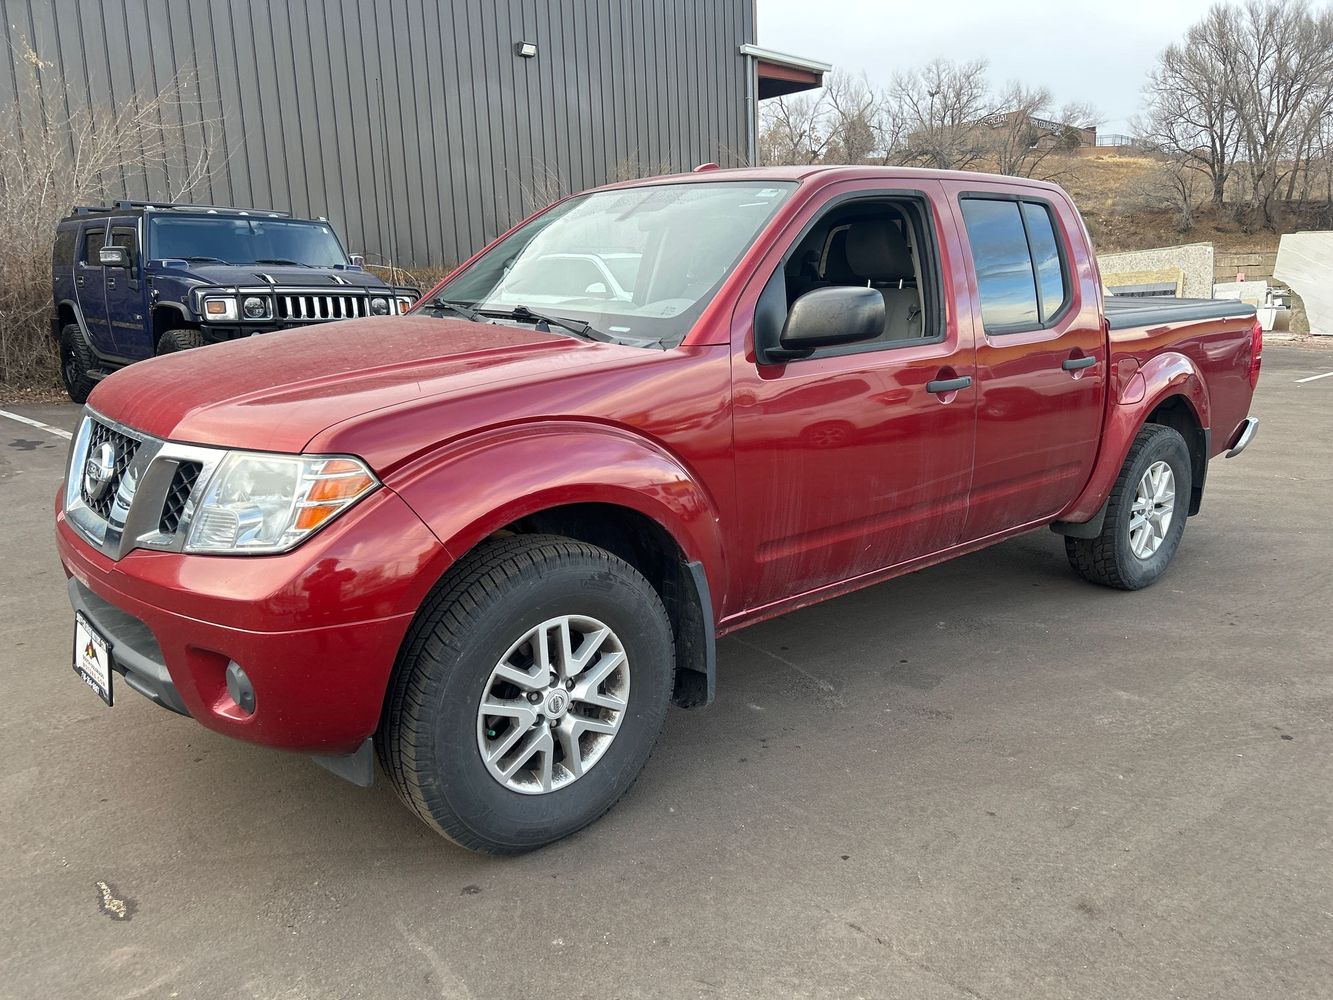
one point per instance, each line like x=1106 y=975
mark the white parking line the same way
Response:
x=36 y=423
x=1314 y=378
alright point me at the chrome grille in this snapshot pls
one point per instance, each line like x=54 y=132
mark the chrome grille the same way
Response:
x=146 y=500
x=178 y=494
x=318 y=307
x=123 y=448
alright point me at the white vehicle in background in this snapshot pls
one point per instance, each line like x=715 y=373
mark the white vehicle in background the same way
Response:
x=548 y=278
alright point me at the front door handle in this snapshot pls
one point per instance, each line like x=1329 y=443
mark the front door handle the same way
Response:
x=1074 y=364
x=79 y=280
x=941 y=385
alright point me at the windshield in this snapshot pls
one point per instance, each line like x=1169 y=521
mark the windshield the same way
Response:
x=639 y=264
x=243 y=240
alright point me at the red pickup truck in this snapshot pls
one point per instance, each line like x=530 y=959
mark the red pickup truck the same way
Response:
x=494 y=539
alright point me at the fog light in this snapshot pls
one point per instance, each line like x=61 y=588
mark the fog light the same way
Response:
x=240 y=689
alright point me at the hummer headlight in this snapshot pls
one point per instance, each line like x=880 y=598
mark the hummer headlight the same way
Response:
x=220 y=308
x=255 y=307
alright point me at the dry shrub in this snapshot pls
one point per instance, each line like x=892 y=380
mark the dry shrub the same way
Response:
x=50 y=161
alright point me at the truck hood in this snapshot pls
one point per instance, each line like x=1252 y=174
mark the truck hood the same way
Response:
x=277 y=391
x=252 y=275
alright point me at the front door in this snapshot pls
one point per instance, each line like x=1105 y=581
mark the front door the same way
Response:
x=1040 y=354
x=125 y=297
x=854 y=459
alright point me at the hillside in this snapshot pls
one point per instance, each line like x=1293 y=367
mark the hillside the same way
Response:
x=1121 y=195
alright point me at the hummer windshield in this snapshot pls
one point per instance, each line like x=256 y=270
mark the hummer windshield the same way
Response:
x=638 y=265
x=231 y=239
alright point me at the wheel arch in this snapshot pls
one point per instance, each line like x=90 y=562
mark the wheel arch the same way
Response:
x=67 y=313
x=1169 y=389
x=634 y=499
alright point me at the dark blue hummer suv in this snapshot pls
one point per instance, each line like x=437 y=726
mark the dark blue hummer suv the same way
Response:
x=138 y=279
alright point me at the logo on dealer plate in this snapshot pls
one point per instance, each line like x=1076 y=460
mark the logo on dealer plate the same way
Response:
x=97 y=473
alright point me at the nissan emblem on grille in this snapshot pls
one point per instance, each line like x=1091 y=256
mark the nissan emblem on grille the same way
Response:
x=99 y=470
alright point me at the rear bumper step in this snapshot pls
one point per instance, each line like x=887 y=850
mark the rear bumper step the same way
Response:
x=1244 y=435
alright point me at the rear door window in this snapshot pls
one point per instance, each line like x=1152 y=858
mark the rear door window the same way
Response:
x=1016 y=255
x=93 y=241
x=1003 y=264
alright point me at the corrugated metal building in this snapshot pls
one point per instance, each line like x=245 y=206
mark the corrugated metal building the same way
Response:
x=421 y=128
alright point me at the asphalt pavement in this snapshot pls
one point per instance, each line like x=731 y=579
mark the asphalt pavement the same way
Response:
x=985 y=780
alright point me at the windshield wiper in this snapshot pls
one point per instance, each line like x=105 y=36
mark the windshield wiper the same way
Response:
x=584 y=330
x=457 y=308
x=216 y=260
x=280 y=260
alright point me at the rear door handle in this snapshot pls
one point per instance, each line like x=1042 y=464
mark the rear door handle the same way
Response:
x=79 y=280
x=940 y=385
x=1074 y=364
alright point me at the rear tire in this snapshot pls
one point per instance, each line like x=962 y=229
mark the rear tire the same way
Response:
x=441 y=748
x=180 y=339
x=76 y=363
x=1142 y=530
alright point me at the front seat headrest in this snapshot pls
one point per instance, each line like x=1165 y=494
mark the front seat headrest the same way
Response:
x=877 y=251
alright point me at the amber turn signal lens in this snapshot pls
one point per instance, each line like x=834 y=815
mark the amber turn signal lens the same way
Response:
x=215 y=307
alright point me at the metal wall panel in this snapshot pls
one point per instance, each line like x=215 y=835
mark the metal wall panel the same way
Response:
x=411 y=124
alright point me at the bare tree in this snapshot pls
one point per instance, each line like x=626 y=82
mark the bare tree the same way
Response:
x=50 y=161
x=1191 y=115
x=842 y=124
x=1280 y=59
x=1242 y=98
x=938 y=107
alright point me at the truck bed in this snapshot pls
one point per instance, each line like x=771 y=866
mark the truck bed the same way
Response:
x=1124 y=312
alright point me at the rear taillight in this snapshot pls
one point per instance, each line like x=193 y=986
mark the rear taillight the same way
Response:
x=1256 y=352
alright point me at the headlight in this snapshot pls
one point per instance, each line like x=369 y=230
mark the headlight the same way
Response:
x=379 y=307
x=404 y=303
x=220 y=307
x=259 y=503
x=255 y=307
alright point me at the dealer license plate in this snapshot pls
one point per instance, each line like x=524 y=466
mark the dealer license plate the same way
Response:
x=92 y=657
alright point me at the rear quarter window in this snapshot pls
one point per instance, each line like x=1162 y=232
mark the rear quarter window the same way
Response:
x=62 y=254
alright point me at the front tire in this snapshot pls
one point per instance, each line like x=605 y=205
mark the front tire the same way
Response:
x=529 y=693
x=180 y=339
x=1145 y=515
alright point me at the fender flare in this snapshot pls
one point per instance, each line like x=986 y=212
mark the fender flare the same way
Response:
x=58 y=327
x=1168 y=374
x=524 y=469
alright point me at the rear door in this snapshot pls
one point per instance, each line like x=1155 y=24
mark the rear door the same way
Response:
x=90 y=286
x=125 y=295
x=1040 y=355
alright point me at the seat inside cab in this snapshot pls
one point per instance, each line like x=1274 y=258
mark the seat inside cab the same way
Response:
x=870 y=245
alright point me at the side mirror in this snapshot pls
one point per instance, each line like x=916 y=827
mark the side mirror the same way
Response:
x=113 y=257
x=827 y=317
x=358 y=261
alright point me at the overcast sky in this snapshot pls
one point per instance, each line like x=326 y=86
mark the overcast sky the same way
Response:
x=1080 y=51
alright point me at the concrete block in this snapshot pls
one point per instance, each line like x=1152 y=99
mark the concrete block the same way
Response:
x=1305 y=262
x=1194 y=262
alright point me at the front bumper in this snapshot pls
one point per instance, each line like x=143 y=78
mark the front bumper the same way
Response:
x=316 y=629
